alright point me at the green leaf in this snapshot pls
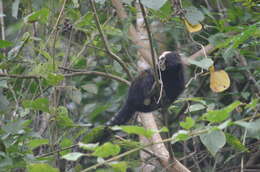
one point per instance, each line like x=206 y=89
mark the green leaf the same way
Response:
x=91 y=88
x=3 y=84
x=164 y=12
x=106 y=150
x=252 y=104
x=6 y=161
x=222 y=114
x=205 y=63
x=41 y=104
x=40 y=167
x=181 y=135
x=4 y=44
x=3 y=102
x=86 y=20
x=98 y=110
x=193 y=15
x=37 y=142
x=235 y=143
x=62 y=118
x=136 y=130
x=196 y=107
x=238 y=39
x=73 y=156
x=213 y=141
x=54 y=79
x=217 y=39
x=45 y=54
x=225 y=124
x=96 y=134
x=15 y=127
x=41 y=16
x=164 y=130
x=252 y=127
x=153 y=4
x=189 y=122
x=43 y=69
x=75 y=95
x=242 y=37
x=119 y=166
x=228 y=53
x=89 y=146
x=66 y=142
x=232 y=106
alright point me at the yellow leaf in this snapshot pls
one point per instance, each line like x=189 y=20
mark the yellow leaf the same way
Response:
x=192 y=28
x=219 y=80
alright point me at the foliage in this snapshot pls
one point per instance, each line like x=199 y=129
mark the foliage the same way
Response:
x=51 y=94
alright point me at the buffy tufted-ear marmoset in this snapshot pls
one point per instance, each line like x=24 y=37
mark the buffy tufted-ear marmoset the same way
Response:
x=144 y=96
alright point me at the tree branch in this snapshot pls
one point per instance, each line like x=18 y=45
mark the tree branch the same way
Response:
x=114 y=56
x=77 y=73
x=20 y=76
x=154 y=60
x=95 y=73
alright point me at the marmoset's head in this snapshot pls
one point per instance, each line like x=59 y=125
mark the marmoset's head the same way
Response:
x=170 y=60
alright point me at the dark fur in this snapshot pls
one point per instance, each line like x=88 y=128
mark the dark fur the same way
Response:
x=143 y=97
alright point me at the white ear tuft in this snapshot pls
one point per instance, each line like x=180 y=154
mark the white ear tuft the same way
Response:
x=163 y=54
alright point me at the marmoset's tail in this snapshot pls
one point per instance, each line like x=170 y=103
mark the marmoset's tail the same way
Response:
x=122 y=117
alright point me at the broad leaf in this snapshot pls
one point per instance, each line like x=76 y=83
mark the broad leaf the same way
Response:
x=119 y=166
x=153 y=4
x=89 y=146
x=252 y=127
x=54 y=79
x=193 y=15
x=196 y=107
x=213 y=141
x=91 y=88
x=15 y=127
x=37 y=104
x=37 y=142
x=106 y=150
x=73 y=156
x=181 y=135
x=62 y=118
x=4 y=44
x=205 y=63
x=75 y=95
x=136 y=130
x=220 y=115
x=41 y=16
x=188 y=123
x=40 y=167
x=235 y=142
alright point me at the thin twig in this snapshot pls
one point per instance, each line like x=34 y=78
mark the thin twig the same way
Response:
x=20 y=76
x=56 y=151
x=57 y=22
x=68 y=75
x=154 y=60
x=78 y=72
x=114 y=56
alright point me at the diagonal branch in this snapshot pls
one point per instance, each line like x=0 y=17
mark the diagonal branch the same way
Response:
x=75 y=73
x=113 y=55
x=154 y=60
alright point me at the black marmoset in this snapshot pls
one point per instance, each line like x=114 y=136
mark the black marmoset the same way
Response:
x=143 y=95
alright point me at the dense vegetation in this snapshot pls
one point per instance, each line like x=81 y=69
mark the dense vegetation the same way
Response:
x=66 y=66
